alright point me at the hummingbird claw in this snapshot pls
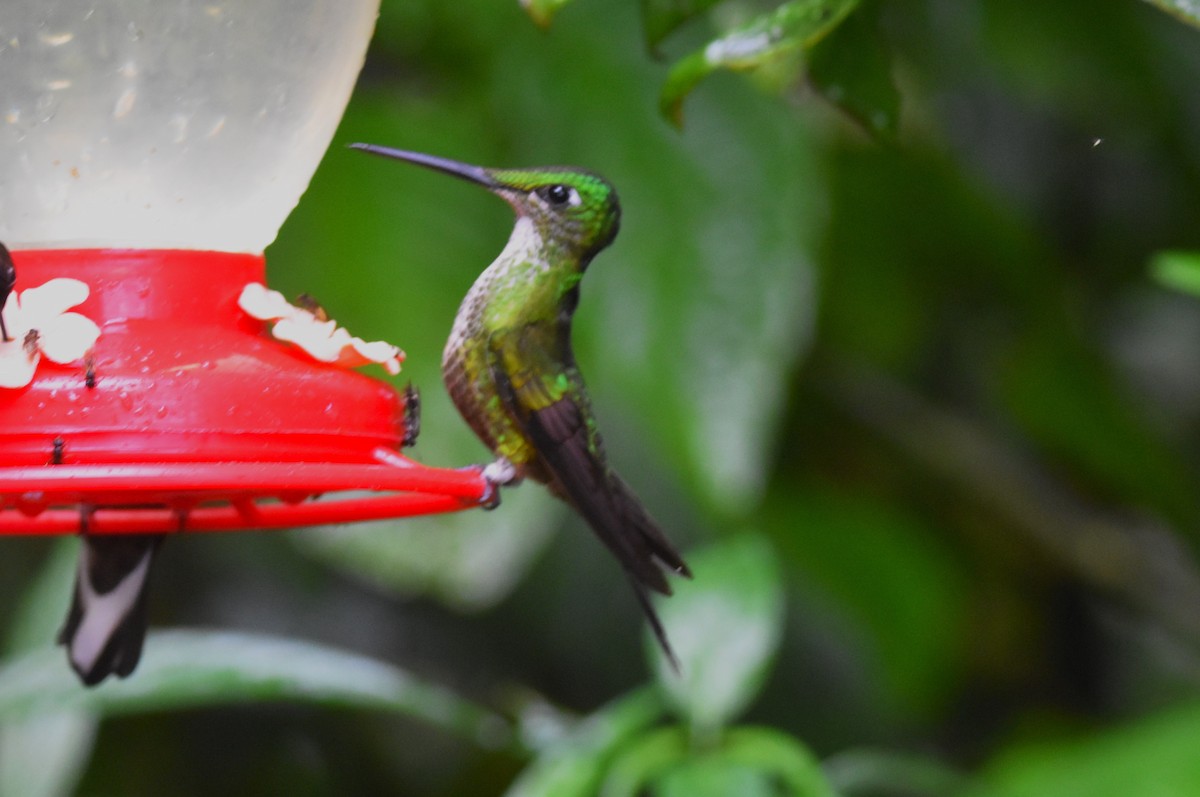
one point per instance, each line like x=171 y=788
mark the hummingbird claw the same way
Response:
x=491 y=499
x=500 y=473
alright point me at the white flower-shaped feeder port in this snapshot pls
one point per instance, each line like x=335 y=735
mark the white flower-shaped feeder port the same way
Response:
x=39 y=325
x=320 y=338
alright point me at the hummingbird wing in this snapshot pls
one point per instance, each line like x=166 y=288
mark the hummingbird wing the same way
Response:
x=106 y=624
x=544 y=393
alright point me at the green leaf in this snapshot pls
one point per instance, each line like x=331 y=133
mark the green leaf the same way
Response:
x=1178 y=270
x=779 y=755
x=183 y=669
x=573 y=765
x=715 y=777
x=744 y=761
x=44 y=604
x=871 y=772
x=1154 y=757
x=643 y=760
x=1185 y=10
x=852 y=69
x=542 y=12
x=661 y=17
x=794 y=26
x=725 y=626
x=45 y=755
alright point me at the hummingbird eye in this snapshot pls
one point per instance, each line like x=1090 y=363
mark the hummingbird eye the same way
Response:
x=557 y=194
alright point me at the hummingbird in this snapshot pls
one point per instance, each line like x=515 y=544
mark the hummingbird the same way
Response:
x=509 y=366
x=8 y=279
x=106 y=624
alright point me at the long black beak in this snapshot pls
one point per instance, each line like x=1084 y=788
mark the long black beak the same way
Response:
x=465 y=171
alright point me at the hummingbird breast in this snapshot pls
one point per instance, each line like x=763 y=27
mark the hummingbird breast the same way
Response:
x=471 y=384
x=516 y=292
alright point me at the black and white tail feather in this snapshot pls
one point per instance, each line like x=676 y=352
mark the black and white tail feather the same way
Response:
x=106 y=625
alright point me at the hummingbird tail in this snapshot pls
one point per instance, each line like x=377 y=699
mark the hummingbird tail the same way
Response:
x=106 y=625
x=571 y=462
x=660 y=633
x=637 y=539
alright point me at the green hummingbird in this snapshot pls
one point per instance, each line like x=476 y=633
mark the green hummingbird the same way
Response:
x=510 y=369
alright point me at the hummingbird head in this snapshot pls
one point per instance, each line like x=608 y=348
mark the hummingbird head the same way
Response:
x=568 y=206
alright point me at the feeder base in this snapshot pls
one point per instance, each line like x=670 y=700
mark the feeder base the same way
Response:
x=188 y=416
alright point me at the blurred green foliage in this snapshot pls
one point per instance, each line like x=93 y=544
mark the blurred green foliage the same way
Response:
x=905 y=351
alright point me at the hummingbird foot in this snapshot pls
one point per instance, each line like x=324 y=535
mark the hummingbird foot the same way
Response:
x=500 y=473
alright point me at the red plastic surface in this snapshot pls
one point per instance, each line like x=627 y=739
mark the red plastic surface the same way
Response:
x=197 y=419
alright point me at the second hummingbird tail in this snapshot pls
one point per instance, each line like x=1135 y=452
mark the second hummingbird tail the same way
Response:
x=106 y=625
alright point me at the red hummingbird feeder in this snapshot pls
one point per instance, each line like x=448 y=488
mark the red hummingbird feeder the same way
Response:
x=150 y=153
